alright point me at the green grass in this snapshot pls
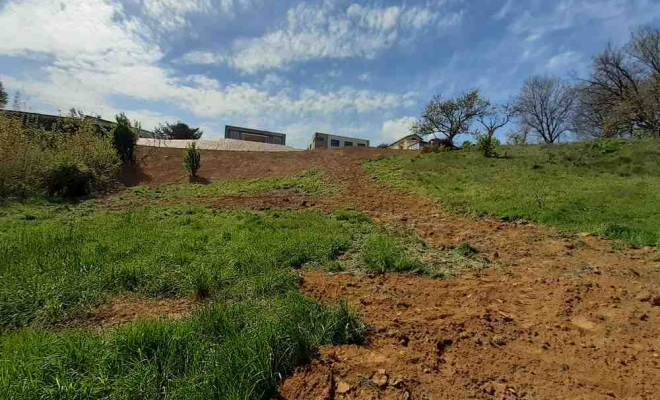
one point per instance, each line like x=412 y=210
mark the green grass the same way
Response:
x=307 y=182
x=59 y=260
x=610 y=188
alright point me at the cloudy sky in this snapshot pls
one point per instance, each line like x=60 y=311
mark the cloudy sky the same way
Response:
x=345 y=67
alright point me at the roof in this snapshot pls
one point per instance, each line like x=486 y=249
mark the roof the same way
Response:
x=420 y=139
x=339 y=136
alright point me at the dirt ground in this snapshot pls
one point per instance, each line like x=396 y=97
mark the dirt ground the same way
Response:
x=556 y=317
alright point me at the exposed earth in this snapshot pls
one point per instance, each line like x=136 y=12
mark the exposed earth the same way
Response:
x=556 y=316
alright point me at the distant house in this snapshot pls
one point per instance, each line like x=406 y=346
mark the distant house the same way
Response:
x=410 y=142
x=254 y=135
x=327 y=141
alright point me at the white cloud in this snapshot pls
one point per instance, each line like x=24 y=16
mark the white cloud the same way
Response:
x=563 y=61
x=366 y=77
x=395 y=129
x=202 y=57
x=504 y=11
x=327 y=31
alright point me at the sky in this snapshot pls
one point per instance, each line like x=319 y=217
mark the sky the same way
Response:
x=349 y=68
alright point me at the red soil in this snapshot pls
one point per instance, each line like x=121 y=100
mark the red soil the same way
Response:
x=562 y=317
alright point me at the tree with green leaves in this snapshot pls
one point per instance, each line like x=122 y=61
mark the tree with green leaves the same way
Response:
x=178 y=131
x=4 y=97
x=452 y=117
x=192 y=159
x=124 y=137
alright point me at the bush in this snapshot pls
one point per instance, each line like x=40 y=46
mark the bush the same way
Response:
x=487 y=145
x=192 y=159
x=36 y=161
x=69 y=179
x=467 y=145
x=124 y=137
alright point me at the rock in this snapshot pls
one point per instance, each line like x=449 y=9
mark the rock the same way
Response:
x=656 y=301
x=380 y=379
x=342 y=387
x=397 y=382
x=498 y=340
x=644 y=297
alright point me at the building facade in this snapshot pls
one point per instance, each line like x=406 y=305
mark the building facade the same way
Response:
x=254 y=135
x=410 y=142
x=327 y=141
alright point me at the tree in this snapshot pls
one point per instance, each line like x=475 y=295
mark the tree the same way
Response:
x=124 y=137
x=546 y=105
x=491 y=120
x=450 y=117
x=4 y=97
x=192 y=159
x=177 y=131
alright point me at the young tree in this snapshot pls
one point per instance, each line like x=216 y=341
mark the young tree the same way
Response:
x=124 y=137
x=450 y=117
x=192 y=159
x=493 y=119
x=4 y=97
x=546 y=105
x=177 y=131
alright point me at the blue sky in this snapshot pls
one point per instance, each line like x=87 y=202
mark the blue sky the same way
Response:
x=345 y=67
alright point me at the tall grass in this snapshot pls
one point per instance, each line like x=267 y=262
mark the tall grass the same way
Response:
x=610 y=188
x=57 y=261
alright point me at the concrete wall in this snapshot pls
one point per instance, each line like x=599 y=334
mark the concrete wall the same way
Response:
x=327 y=141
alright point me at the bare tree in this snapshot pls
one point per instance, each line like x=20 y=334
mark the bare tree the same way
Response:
x=450 y=118
x=493 y=119
x=546 y=105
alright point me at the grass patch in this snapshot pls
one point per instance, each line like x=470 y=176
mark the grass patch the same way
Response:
x=307 y=182
x=609 y=188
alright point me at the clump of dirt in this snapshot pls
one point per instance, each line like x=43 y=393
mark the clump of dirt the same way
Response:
x=125 y=309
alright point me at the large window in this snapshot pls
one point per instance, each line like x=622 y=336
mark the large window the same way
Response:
x=234 y=135
x=334 y=143
x=348 y=144
x=362 y=145
x=277 y=140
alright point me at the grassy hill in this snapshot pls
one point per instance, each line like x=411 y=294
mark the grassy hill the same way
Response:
x=611 y=187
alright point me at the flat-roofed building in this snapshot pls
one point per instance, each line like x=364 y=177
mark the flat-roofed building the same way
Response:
x=328 y=141
x=254 y=135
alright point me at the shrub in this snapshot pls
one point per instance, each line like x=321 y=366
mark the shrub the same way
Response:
x=467 y=145
x=487 y=145
x=69 y=179
x=36 y=161
x=124 y=137
x=192 y=159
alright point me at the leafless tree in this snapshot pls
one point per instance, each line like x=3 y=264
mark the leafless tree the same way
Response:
x=450 y=118
x=495 y=118
x=546 y=105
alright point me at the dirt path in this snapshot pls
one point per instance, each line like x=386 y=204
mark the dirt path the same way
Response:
x=567 y=317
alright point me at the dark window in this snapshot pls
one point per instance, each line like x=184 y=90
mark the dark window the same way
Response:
x=277 y=140
x=334 y=143
x=362 y=145
x=234 y=135
x=348 y=144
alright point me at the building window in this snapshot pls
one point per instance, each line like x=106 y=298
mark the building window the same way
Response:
x=348 y=144
x=234 y=135
x=334 y=143
x=277 y=140
x=362 y=145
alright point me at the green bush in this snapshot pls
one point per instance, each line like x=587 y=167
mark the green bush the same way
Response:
x=487 y=145
x=192 y=159
x=69 y=179
x=124 y=137
x=36 y=161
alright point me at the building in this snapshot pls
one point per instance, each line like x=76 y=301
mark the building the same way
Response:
x=327 y=141
x=410 y=142
x=253 y=135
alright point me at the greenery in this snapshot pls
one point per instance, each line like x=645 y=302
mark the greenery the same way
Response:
x=382 y=254
x=59 y=163
x=4 y=97
x=309 y=182
x=124 y=137
x=60 y=260
x=192 y=159
x=177 y=131
x=607 y=187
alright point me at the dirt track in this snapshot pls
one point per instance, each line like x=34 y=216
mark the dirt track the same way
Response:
x=562 y=317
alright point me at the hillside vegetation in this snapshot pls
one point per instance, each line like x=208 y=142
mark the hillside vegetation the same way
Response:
x=608 y=187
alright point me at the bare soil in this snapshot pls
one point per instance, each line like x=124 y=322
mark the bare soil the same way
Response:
x=559 y=317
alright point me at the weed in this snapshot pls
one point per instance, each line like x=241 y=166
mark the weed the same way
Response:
x=466 y=250
x=382 y=254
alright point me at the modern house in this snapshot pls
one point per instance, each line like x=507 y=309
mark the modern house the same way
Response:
x=410 y=142
x=327 y=141
x=253 y=135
